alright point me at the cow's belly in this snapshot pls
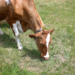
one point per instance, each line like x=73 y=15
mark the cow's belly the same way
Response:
x=3 y=15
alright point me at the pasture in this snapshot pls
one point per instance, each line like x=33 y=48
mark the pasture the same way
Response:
x=58 y=14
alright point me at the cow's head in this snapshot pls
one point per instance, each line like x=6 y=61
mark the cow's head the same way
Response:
x=43 y=39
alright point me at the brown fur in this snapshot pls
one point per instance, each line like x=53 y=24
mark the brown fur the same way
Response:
x=26 y=13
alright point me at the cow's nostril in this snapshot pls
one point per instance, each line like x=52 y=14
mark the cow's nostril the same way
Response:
x=46 y=58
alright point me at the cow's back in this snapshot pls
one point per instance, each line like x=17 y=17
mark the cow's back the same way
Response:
x=3 y=9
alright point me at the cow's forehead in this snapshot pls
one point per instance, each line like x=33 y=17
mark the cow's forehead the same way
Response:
x=47 y=39
x=47 y=44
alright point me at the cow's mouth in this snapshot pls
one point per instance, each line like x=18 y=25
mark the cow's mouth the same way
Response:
x=45 y=58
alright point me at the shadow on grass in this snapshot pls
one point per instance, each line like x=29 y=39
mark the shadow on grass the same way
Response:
x=33 y=54
x=6 y=42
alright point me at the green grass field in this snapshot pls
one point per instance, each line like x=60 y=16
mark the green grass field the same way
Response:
x=58 y=14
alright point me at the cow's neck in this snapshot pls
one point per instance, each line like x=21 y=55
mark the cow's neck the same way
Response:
x=37 y=24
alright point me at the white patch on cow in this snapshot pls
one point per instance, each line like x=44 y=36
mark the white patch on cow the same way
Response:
x=1 y=33
x=17 y=28
x=47 y=54
x=47 y=40
x=8 y=2
x=47 y=44
x=18 y=43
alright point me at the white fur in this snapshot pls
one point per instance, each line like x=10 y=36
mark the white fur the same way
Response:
x=1 y=33
x=17 y=28
x=47 y=44
x=47 y=40
x=18 y=43
x=8 y=2
x=47 y=54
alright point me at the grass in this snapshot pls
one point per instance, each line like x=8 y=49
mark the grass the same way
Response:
x=13 y=70
x=58 y=14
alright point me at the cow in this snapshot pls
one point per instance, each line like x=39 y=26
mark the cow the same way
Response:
x=22 y=15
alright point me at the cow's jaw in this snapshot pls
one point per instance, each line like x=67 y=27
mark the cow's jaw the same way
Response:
x=47 y=44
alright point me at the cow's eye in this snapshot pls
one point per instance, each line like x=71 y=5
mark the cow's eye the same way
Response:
x=42 y=45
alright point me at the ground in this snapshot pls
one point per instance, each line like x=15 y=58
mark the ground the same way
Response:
x=58 y=14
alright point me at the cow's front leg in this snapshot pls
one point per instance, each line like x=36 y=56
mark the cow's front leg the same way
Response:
x=1 y=33
x=17 y=35
x=18 y=43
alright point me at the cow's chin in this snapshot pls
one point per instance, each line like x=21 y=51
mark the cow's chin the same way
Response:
x=43 y=51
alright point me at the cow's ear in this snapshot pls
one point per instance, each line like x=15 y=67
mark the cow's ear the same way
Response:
x=33 y=35
x=50 y=31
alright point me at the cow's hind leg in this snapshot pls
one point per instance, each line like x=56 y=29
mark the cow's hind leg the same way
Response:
x=17 y=35
x=1 y=33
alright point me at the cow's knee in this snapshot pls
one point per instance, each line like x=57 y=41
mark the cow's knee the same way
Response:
x=18 y=43
x=15 y=29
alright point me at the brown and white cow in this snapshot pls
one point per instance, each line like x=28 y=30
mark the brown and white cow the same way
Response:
x=22 y=15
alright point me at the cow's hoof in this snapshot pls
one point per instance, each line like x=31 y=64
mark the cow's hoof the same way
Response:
x=20 y=48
